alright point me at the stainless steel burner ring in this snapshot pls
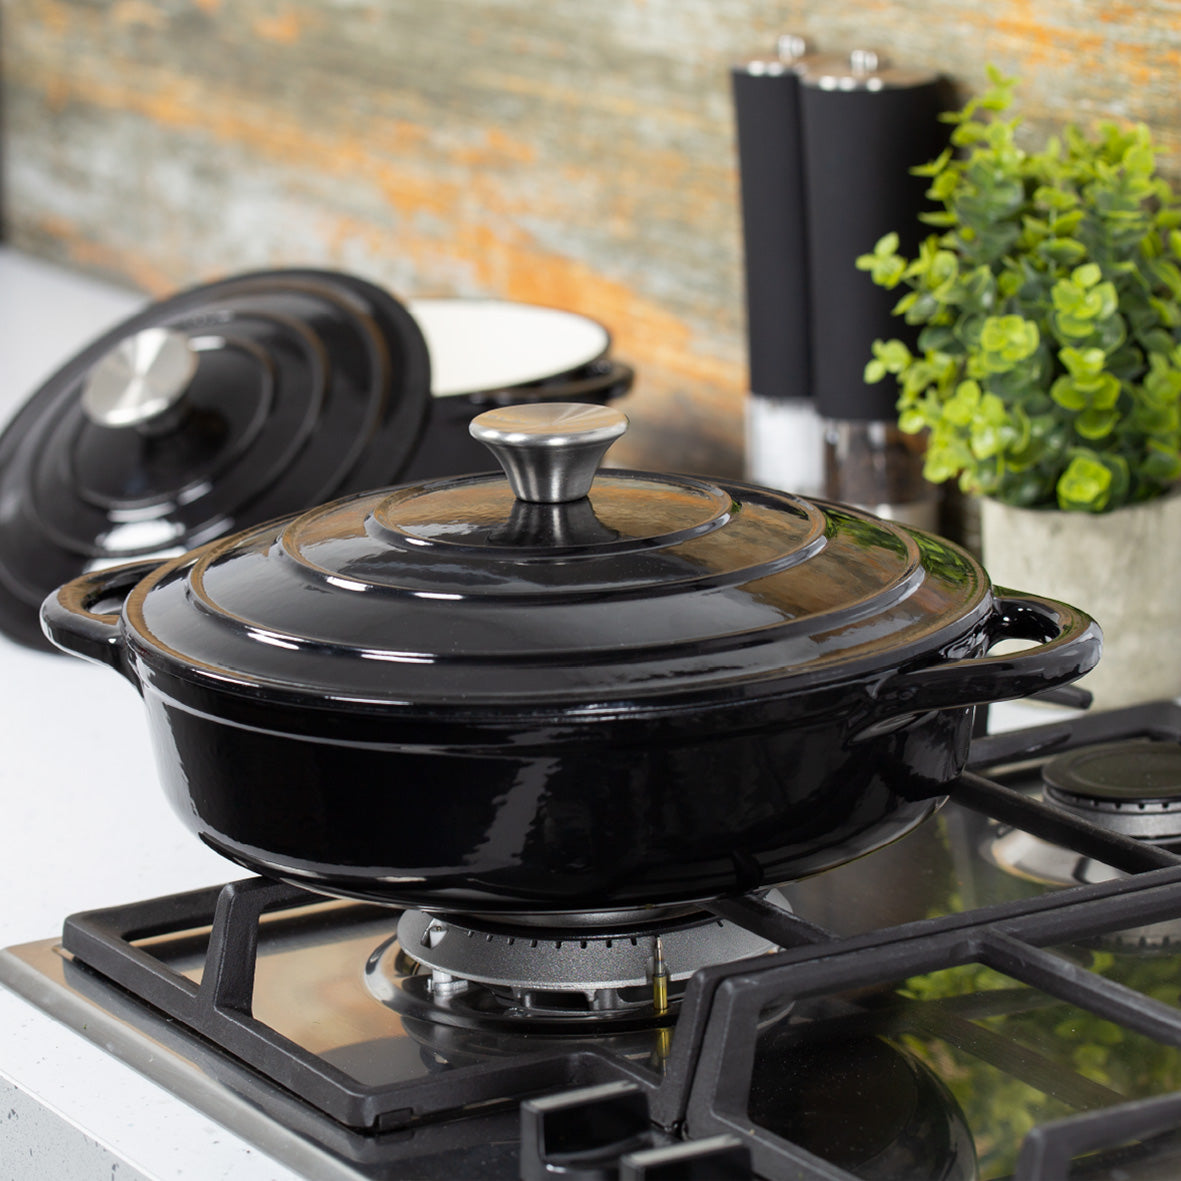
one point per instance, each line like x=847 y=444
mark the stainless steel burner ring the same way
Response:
x=584 y=961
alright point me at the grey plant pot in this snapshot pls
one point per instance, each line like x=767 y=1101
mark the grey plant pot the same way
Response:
x=1122 y=567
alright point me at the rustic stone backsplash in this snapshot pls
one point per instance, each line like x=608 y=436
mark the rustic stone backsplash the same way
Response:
x=570 y=153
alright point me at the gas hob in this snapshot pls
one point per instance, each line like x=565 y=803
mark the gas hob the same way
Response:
x=996 y=995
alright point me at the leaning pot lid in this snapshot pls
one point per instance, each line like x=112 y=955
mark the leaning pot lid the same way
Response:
x=474 y=593
x=216 y=409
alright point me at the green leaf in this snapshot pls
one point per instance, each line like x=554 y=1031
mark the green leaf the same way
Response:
x=893 y=354
x=1157 y=342
x=1082 y=362
x=1063 y=251
x=1162 y=463
x=1067 y=223
x=1103 y=299
x=1009 y=283
x=1169 y=275
x=886 y=270
x=1139 y=158
x=1111 y=333
x=1166 y=218
x=944 y=186
x=936 y=338
x=1102 y=390
x=1096 y=423
x=1022 y=434
x=1051 y=198
x=1066 y=393
x=933 y=167
x=960 y=409
x=1067 y=297
x=1002 y=87
x=1004 y=342
x=1121 y=479
x=925 y=309
x=912 y=421
x=1167 y=311
x=1085 y=485
x=987 y=440
x=905 y=303
x=938 y=467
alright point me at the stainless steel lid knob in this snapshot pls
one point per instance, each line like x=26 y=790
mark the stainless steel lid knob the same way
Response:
x=550 y=451
x=141 y=379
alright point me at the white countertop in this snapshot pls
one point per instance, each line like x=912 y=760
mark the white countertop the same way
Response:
x=83 y=826
x=84 y=823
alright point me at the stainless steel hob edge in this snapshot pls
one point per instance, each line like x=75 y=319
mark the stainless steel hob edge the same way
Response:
x=34 y=972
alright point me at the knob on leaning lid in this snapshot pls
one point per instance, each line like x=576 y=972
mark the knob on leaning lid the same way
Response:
x=142 y=378
x=550 y=451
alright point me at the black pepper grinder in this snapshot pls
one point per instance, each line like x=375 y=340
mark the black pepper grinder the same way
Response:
x=783 y=429
x=864 y=127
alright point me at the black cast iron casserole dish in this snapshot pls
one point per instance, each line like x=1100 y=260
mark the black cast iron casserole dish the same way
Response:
x=446 y=696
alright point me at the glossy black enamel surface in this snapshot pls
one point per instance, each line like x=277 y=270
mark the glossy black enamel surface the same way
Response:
x=549 y=817
x=654 y=587
x=440 y=697
x=307 y=385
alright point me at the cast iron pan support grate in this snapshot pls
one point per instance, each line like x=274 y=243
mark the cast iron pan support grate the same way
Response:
x=1007 y=938
x=1048 y=1150
x=219 y=1009
x=703 y=1094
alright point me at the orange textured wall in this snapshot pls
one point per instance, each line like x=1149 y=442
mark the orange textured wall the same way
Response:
x=566 y=153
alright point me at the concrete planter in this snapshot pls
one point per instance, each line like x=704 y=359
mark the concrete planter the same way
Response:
x=1123 y=568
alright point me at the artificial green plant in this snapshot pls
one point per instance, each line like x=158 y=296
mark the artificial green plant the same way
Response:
x=1048 y=365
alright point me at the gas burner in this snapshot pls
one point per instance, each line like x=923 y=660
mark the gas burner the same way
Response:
x=622 y=969
x=1133 y=788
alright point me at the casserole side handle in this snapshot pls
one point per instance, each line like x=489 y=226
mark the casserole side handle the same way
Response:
x=70 y=619
x=1068 y=645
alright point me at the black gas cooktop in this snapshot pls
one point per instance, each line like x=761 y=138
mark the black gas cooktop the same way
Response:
x=997 y=995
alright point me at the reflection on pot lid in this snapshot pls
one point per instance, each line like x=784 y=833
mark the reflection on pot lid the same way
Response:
x=907 y=1124
x=652 y=588
x=222 y=406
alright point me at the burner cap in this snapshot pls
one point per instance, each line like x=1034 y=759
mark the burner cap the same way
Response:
x=1119 y=771
x=1132 y=787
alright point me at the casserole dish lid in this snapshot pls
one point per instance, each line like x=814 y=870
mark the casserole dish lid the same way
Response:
x=222 y=406
x=463 y=592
